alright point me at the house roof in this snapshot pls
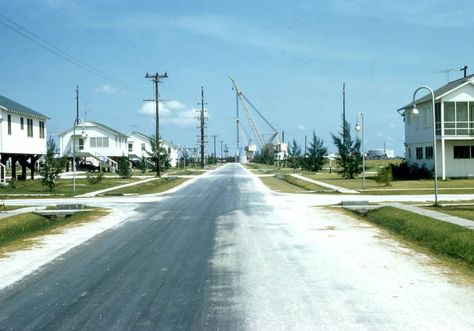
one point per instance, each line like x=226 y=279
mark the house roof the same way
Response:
x=99 y=125
x=146 y=137
x=141 y=135
x=442 y=91
x=15 y=107
x=107 y=128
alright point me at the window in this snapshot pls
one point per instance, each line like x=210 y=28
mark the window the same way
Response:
x=429 y=152
x=419 y=153
x=9 y=120
x=22 y=123
x=449 y=118
x=462 y=152
x=130 y=147
x=41 y=127
x=29 y=127
x=81 y=144
x=461 y=118
x=438 y=118
x=143 y=146
x=428 y=115
x=99 y=142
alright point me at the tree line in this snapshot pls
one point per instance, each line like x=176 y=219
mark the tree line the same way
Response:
x=313 y=158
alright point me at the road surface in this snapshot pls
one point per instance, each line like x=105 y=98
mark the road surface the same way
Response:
x=224 y=253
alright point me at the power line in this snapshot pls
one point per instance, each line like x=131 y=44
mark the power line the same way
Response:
x=25 y=33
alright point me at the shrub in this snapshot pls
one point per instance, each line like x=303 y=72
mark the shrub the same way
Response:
x=124 y=170
x=403 y=171
x=384 y=176
x=93 y=178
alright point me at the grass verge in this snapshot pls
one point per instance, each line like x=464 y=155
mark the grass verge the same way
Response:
x=463 y=211
x=19 y=231
x=306 y=185
x=441 y=238
x=290 y=184
x=154 y=186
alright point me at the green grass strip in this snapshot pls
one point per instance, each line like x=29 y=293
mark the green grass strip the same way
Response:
x=440 y=237
x=27 y=225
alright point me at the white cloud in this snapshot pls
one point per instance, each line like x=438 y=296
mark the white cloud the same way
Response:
x=301 y=127
x=107 y=89
x=172 y=112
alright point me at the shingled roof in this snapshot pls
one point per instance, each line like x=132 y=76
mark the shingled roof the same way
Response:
x=442 y=91
x=15 y=107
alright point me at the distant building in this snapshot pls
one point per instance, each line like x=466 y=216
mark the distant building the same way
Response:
x=139 y=146
x=454 y=109
x=380 y=154
x=93 y=142
x=23 y=137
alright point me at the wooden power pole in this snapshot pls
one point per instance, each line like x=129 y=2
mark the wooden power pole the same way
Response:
x=157 y=78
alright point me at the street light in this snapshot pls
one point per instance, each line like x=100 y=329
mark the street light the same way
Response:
x=358 y=128
x=415 y=113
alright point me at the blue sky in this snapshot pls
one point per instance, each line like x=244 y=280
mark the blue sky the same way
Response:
x=290 y=59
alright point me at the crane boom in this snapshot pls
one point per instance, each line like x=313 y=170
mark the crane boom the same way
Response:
x=257 y=134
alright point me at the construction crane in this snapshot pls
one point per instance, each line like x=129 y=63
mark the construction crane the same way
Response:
x=274 y=141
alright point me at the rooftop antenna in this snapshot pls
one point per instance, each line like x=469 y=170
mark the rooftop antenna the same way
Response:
x=465 y=70
x=447 y=71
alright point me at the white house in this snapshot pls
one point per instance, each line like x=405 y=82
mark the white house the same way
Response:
x=139 y=146
x=94 y=142
x=22 y=137
x=454 y=109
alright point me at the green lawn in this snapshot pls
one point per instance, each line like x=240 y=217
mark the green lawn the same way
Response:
x=398 y=187
x=463 y=211
x=64 y=188
x=154 y=186
x=445 y=239
x=289 y=184
x=16 y=231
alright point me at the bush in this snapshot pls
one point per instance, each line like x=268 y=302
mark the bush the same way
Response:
x=124 y=170
x=94 y=179
x=384 y=176
x=403 y=171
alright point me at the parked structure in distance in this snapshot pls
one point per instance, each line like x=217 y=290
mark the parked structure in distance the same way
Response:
x=22 y=138
x=380 y=154
x=454 y=109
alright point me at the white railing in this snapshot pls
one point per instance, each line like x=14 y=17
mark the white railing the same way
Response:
x=457 y=128
x=103 y=158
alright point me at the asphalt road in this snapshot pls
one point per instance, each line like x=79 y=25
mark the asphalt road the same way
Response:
x=225 y=254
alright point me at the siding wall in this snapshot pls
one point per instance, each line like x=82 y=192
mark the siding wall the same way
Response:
x=18 y=141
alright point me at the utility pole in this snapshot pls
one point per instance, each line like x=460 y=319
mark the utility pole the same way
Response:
x=76 y=120
x=305 y=137
x=202 y=124
x=157 y=78
x=343 y=112
x=221 y=141
x=237 y=124
x=214 y=136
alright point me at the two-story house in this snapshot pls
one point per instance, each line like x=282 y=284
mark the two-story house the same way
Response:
x=93 y=142
x=23 y=137
x=139 y=146
x=454 y=118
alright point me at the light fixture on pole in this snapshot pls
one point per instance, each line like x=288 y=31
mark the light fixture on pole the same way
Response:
x=360 y=128
x=415 y=113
